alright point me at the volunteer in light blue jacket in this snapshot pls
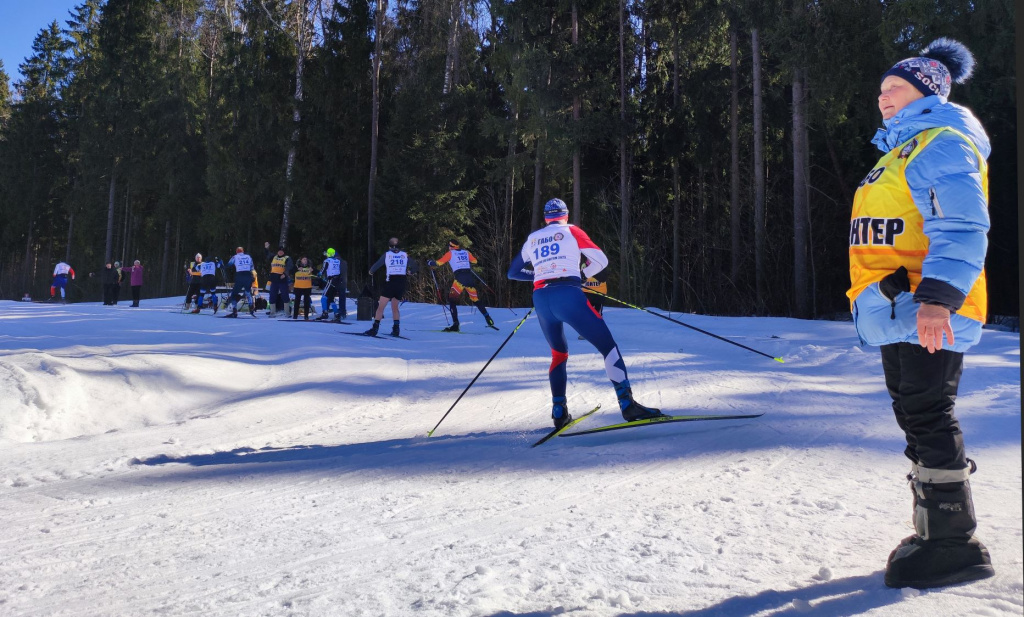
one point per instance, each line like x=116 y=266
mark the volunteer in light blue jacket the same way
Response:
x=917 y=253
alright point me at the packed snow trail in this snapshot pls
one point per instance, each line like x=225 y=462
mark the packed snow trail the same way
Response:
x=152 y=462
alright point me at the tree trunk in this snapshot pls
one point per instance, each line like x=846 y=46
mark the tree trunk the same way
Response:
x=623 y=179
x=166 y=260
x=759 y=214
x=300 y=61
x=378 y=47
x=451 y=61
x=799 y=197
x=734 y=172
x=676 y=189
x=538 y=173
x=109 y=250
x=71 y=230
x=577 y=193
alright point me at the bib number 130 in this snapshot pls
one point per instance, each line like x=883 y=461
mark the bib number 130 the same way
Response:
x=545 y=251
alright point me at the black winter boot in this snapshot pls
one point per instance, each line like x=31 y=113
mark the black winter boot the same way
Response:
x=560 y=412
x=632 y=410
x=373 y=329
x=395 y=329
x=943 y=551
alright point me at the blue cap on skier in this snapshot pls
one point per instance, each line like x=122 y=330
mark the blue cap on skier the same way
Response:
x=555 y=209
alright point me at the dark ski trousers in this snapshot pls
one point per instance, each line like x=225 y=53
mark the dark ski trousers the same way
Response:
x=559 y=305
x=109 y=294
x=302 y=296
x=279 y=293
x=923 y=388
x=194 y=291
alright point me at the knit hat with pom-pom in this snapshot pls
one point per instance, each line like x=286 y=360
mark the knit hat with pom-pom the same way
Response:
x=941 y=63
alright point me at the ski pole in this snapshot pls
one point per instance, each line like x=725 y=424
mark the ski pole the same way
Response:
x=598 y=293
x=491 y=290
x=521 y=322
x=437 y=290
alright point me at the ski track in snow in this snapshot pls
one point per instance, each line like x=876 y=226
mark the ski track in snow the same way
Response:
x=167 y=464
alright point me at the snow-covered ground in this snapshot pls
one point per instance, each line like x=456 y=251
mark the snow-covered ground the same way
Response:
x=159 y=463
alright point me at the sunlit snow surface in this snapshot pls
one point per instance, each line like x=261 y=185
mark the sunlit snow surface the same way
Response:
x=158 y=463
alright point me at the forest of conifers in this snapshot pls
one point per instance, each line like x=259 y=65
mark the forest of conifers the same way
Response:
x=711 y=148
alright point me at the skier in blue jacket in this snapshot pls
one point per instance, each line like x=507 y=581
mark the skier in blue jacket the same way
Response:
x=917 y=253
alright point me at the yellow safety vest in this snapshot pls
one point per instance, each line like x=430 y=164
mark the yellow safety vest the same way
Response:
x=596 y=285
x=887 y=229
x=277 y=264
x=304 y=278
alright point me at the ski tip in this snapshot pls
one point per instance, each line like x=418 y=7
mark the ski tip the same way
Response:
x=780 y=360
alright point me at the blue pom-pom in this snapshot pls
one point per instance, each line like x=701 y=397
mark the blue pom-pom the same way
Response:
x=954 y=54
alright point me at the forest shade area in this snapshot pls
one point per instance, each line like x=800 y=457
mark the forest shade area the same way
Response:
x=711 y=148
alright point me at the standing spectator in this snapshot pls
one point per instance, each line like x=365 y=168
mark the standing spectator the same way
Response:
x=917 y=250
x=108 y=278
x=117 y=284
x=280 y=267
x=303 y=287
x=134 y=275
x=60 y=281
x=193 y=273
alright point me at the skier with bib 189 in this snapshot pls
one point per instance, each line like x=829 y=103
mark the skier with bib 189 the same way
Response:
x=60 y=280
x=562 y=256
x=461 y=262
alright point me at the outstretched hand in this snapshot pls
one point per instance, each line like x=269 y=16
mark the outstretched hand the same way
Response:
x=932 y=323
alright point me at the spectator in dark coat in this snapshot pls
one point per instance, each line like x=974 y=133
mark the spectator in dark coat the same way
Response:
x=108 y=278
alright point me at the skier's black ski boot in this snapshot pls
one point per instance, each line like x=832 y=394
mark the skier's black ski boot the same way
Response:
x=452 y=328
x=373 y=329
x=560 y=412
x=395 y=329
x=943 y=551
x=632 y=410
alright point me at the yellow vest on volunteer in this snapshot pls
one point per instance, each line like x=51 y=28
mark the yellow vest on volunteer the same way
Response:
x=304 y=278
x=596 y=285
x=887 y=229
x=277 y=264
x=194 y=270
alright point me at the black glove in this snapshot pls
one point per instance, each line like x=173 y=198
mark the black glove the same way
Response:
x=891 y=286
x=894 y=283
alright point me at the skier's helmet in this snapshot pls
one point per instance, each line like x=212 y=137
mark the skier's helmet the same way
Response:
x=329 y=253
x=555 y=210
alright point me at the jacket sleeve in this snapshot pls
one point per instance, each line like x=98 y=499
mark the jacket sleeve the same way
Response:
x=520 y=269
x=378 y=263
x=946 y=184
x=595 y=258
